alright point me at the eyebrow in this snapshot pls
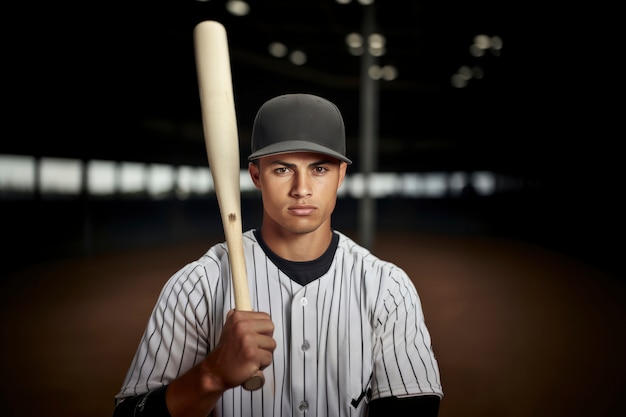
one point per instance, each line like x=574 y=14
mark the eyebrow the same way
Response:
x=312 y=164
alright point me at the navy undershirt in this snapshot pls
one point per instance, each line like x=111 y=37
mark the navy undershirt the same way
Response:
x=302 y=272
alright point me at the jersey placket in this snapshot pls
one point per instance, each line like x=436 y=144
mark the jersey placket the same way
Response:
x=304 y=348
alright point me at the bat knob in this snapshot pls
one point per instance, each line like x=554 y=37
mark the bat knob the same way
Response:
x=255 y=382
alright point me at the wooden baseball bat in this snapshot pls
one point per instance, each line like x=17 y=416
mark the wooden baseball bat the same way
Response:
x=222 y=145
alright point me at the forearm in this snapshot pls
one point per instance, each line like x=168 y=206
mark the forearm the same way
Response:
x=194 y=393
x=245 y=346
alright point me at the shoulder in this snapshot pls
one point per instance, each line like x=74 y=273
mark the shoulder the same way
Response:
x=381 y=277
x=351 y=247
x=210 y=270
x=367 y=261
x=219 y=251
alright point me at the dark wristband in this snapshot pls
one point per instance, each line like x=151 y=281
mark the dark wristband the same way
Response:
x=419 y=405
x=151 y=404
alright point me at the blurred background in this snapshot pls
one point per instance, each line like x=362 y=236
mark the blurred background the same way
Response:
x=487 y=162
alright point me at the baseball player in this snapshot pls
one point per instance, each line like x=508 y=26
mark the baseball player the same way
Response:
x=335 y=330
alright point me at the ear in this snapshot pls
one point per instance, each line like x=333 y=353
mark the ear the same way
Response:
x=343 y=168
x=253 y=170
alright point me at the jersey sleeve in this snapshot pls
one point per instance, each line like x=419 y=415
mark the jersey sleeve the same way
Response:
x=404 y=360
x=176 y=336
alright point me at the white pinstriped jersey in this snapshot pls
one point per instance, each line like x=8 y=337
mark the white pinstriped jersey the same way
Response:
x=357 y=329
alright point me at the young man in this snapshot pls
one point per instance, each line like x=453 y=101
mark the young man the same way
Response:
x=335 y=330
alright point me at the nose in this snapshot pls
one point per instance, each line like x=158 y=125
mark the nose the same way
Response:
x=301 y=186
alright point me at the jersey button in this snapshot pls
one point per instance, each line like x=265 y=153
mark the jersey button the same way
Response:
x=303 y=301
x=305 y=346
x=303 y=406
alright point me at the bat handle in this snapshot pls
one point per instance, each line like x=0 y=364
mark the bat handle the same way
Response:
x=255 y=382
x=232 y=229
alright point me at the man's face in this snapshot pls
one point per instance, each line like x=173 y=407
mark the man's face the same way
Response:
x=299 y=190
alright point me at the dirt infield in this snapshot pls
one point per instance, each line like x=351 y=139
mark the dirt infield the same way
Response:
x=518 y=330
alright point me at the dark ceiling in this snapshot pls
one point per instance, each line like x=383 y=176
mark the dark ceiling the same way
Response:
x=117 y=81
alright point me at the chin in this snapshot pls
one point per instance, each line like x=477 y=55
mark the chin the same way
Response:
x=301 y=228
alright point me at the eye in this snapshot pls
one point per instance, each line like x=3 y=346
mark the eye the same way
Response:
x=320 y=169
x=281 y=170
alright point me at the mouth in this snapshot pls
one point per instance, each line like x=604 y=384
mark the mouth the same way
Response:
x=301 y=210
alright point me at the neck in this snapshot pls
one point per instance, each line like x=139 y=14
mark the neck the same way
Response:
x=297 y=247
